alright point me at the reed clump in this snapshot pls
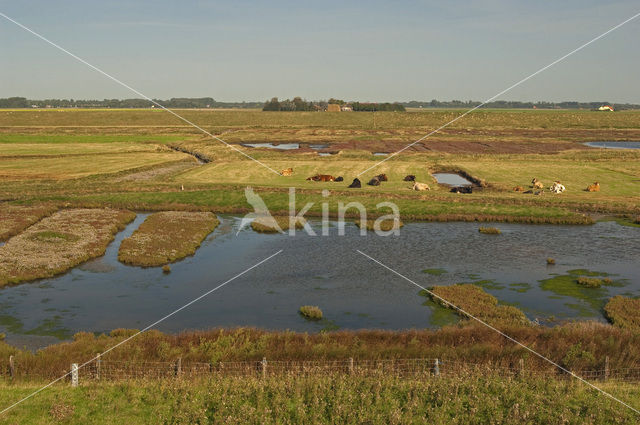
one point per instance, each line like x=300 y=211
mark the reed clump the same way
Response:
x=551 y=261
x=269 y=226
x=311 y=312
x=589 y=282
x=489 y=230
x=624 y=312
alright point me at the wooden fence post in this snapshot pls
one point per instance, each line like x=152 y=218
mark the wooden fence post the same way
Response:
x=521 y=366
x=606 y=368
x=98 y=366
x=177 y=369
x=436 y=368
x=350 y=365
x=264 y=367
x=12 y=368
x=74 y=374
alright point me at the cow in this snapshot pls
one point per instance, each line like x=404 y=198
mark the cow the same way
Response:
x=356 y=183
x=287 y=172
x=557 y=187
x=382 y=177
x=518 y=189
x=462 y=189
x=339 y=179
x=374 y=181
x=322 y=178
x=420 y=186
x=410 y=178
x=593 y=187
x=537 y=184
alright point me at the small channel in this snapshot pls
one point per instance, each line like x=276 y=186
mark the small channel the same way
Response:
x=613 y=145
x=452 y=179
x=280 y=146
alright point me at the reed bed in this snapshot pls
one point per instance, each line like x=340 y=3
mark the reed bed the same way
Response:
x=624 y=312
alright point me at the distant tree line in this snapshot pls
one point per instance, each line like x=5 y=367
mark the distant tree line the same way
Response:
x=517 y=104
x=176 y=102
x=298 y=104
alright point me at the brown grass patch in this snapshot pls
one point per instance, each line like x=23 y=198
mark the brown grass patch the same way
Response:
x=311 y=312
x=624 y=312
x=475 y=301
x=489 y=230
x=165 y=237
x=16 y=218
x=59 y=242
x=589 y=282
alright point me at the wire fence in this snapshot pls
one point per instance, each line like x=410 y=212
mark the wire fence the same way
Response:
x=115 y=370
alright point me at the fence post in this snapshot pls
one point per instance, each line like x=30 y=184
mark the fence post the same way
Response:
x=606 y=368
x=74 y=374
x=178 y=367
x=350 y=365
x=98 y=366
x=264 y=367
x=12 y=368
x=436 y=368
x=521 y=366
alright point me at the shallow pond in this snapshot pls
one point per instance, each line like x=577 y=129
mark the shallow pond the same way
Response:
x=352 y=291
x=281 y=146
x=614 y=145
x=451 y=179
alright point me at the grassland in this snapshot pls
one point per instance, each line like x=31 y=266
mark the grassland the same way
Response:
x=59 y=242
x=166 y=237
x=128 y=159
x=325 y=399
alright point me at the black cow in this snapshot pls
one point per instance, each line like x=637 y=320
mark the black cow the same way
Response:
x=374 y=181
x=410 y=178
x=356 y=183
x=339 y=179
x=462 y=189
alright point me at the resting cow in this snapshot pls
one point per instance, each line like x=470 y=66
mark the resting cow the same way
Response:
x=462 y=189
x=287 y=172
x=339 y=179
x=356 y=183
x=593 y=187
x=537 y=184
x=557 y=187
x=421 y=186
x=374 y=181
x=382 y=177
x=322 y=178
x=410 y=178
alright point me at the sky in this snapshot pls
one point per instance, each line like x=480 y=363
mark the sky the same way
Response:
x=355 y=50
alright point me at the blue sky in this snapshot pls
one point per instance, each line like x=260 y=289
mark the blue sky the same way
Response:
x=370 y=51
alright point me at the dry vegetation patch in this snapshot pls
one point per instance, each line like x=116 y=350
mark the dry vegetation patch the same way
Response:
x=166 y=237
x=475 y=301
x=15 y=218
x=384 y=225
x=624 y=312
x=267 y=226
x=59 y=242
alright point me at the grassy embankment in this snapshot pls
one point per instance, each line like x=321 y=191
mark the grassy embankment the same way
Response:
x=59 y=242
x=624 y=312
x=326 y=399
x=166 y=237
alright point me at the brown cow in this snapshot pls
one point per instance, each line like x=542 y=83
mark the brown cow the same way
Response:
x=322 y=178
x=518 y=189
x=287 y=172
x=410 y=178
x=382 y=177
x=537 y=184
x=593 y=187
x=374 y=181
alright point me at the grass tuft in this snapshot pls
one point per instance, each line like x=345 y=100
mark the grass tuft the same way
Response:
x=489 y=230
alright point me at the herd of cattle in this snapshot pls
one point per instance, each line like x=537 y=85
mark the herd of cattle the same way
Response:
x=537 y=187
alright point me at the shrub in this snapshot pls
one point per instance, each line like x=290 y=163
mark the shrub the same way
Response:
x=589 y=282
x=551 y=261
x=311 y=312
x=166 y=269
x=489 y=230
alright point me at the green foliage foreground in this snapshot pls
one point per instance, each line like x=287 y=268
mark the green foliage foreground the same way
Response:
x=324 y=399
